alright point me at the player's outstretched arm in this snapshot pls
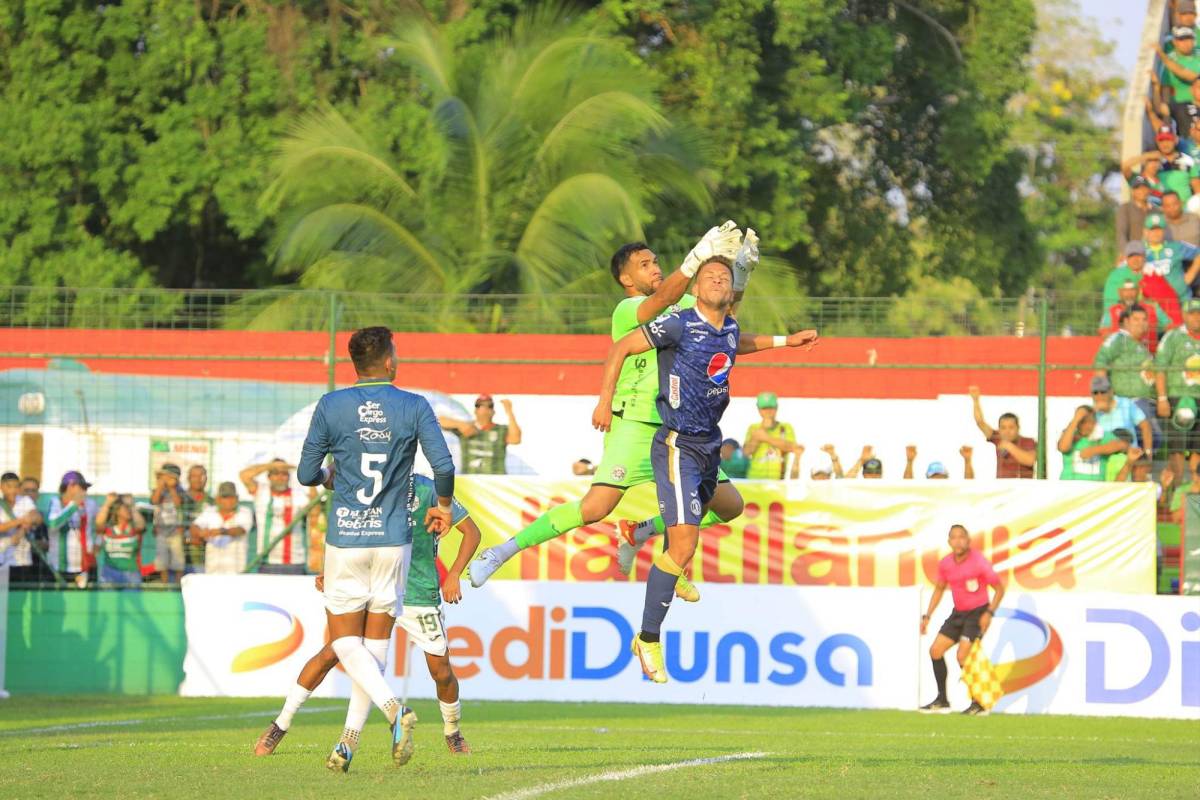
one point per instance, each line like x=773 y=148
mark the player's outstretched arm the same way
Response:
x=724 y=240
x=631 y=344
x=452 y=587
x=757 y=342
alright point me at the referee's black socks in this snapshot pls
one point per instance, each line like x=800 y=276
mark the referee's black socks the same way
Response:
x=939 y=672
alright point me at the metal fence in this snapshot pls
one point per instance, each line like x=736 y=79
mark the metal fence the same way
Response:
x=1072 y=313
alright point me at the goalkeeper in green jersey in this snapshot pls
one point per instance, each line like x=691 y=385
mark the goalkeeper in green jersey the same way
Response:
x=626 y=461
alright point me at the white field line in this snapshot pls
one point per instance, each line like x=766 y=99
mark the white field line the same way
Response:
x=120 y=723
x=620 y=775
x=845 y=734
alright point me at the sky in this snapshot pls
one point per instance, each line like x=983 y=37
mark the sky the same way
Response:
x=1122 y=20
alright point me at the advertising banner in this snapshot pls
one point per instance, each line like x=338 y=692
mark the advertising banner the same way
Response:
x=1095 y=654
x=1041 y=535
x=249 y=635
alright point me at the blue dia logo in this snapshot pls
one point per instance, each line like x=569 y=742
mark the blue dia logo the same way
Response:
x=1098 y=690
x=787 y=666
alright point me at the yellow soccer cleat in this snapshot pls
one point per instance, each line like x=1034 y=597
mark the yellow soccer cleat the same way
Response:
x=686 y=590
x=650 y=654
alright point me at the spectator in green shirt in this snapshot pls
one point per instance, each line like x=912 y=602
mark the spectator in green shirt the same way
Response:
x=1179 y=70
x=120 y=528
x=1086 y=448
x=733 y=460
x=768 y=443
x=1126 y=362
x=1178 y=377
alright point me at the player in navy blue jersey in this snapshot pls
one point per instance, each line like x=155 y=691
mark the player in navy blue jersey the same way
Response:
x=696 y=348
x=372 y=430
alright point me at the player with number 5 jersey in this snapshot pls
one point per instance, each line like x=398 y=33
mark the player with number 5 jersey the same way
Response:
x=372 y=430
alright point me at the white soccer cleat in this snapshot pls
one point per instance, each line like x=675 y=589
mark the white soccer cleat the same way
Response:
x=484 y=567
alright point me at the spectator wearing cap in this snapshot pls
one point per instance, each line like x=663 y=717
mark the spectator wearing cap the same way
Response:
x=224 y=528
x=935 y=471
x=483 y=443
x=1086 y=447
x=18 y=516
x=119 y=529
x=1178 y=171
x=1178 y=382
x=280 y=525
x=1131 y=215
x=1016 y=455
x=1185 y=16
x=71 y=526
x=1125 y=361
x=870 y=466
x=1178 y=71
x=1165 y=279
x=769 y=441
x=1181 y=225
x=828 y=466
x=733 y=461
x=1115 y=414
x=195 y=500
x=1130 y=269
x=1128 y=296
x=167 y=500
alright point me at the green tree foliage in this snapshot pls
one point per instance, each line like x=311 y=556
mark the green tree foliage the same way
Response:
x=1066 y=130
x=875 y=144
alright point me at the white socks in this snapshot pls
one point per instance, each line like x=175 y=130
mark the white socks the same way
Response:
x=360 y=704
x=291 y=705
x=451 y=713
x=363 y=669
x=508 y=549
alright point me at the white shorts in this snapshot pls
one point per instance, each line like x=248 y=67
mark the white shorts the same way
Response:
x=426 y=626
x=362 y=577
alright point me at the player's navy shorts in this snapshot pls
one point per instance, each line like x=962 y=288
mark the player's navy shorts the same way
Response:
x=685 y=474
x=963 y=624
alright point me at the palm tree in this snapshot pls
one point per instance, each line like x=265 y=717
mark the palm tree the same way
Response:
x=547 y=150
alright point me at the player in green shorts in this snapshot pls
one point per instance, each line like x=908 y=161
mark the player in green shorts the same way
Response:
x=626 y=460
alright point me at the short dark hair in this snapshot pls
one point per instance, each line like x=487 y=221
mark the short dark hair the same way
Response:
x=1091 y=412
x=38 y=481
x=722 y=260
x=369 y=346
x=1172 y=191
x=961 y=527
x=1126 y=313
x=1012 y=416
x=621 y=258
x=9 y=476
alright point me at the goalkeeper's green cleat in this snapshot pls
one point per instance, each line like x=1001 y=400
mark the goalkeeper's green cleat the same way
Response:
x=686 y=590
x=650 y=654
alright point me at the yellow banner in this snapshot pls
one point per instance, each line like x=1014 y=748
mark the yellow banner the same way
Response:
x=1040 y=535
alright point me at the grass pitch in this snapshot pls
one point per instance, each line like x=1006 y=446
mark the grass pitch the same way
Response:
x=113 y=747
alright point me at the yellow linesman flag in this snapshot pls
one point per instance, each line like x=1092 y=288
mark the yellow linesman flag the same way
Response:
x=980 y=677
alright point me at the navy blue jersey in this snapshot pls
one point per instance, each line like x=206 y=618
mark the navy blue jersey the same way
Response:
x=694 y=361
x=372 y=430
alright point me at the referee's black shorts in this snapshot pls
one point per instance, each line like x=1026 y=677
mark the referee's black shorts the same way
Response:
x=963 y=624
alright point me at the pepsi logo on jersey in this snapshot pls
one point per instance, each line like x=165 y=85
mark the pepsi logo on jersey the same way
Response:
x=718 y=368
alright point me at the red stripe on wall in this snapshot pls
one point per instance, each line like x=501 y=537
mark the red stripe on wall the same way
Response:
x=570 y=379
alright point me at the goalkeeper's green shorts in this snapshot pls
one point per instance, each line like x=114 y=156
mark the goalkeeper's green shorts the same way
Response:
x=626 y=460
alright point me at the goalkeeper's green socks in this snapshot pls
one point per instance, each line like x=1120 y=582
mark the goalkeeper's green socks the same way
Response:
x=555 y=522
